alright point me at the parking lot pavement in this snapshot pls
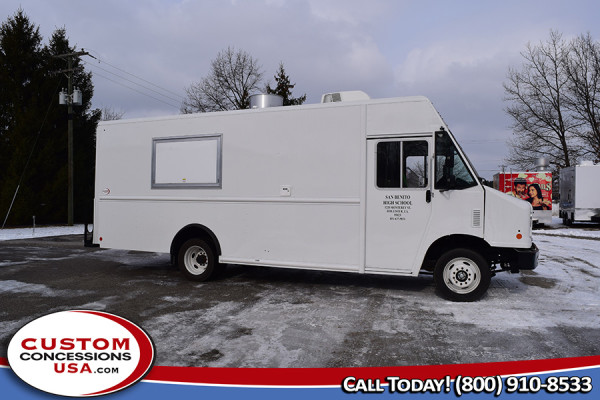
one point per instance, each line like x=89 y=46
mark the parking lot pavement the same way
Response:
x=265 y=317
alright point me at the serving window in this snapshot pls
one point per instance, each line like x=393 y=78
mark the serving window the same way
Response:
x=187 y=162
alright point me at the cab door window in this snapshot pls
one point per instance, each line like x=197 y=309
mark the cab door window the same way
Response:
x=388 y=164
x=414 y=164
x=402 y=164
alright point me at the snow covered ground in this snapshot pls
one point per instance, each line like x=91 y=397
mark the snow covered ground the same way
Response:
x=44 y=231
x=579 y=230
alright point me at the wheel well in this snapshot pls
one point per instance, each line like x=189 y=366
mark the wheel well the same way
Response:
x=446 y=243
x=194 y=231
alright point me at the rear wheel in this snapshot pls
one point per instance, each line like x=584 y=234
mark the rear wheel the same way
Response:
x=567 y=219
x=197 y=260
x=462 y=275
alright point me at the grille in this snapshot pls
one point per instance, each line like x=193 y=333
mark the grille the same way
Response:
x=476 y=219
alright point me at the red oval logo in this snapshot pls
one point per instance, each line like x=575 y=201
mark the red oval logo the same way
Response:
x=81 y=353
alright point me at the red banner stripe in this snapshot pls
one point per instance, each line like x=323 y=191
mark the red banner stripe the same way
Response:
x=334 y=376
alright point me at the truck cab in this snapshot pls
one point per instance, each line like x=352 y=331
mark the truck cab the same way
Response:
x=424 y=190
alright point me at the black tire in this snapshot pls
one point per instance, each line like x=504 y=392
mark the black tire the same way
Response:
x=462 y=275
x=567 y=219
x=197 y=260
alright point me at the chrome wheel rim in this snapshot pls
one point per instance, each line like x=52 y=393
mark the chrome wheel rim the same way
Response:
x=196 y=260
x=462 y=275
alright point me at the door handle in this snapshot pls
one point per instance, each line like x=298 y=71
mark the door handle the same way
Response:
x=428 y=196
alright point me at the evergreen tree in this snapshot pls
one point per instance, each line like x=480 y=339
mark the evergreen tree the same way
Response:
x=32 y=119
x=284 y=87
x=20 y=77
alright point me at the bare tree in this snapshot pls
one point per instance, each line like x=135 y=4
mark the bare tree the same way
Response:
x=234 y=75
x=542 y=124
x=582 y=67
x=110 y=114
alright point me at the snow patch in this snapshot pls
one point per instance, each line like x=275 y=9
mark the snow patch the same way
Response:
x=45 y=231
x=12 y=286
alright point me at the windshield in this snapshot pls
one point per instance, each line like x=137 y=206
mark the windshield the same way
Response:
x=468 y=160
x=451 y=171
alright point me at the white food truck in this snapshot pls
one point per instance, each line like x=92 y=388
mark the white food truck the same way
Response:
x=580 y=193
x=351 y=184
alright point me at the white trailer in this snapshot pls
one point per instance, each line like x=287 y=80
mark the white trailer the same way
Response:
x=364 y=186
x=580 y=193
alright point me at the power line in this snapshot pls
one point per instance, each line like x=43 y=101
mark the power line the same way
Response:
x=135 y=83
x=137 y=77
x=163 y=92
x=137 y=91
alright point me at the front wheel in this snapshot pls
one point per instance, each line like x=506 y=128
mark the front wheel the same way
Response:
x=462 y=275
x=197 y=260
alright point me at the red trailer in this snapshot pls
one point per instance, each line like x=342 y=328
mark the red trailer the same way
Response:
x=534 y=187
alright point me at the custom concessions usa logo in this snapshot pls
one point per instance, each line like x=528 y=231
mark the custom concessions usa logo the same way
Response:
x=81 y=353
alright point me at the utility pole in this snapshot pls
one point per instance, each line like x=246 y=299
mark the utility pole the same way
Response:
x=70 y=99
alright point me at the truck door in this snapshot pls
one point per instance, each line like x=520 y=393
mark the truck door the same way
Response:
x=398 y=206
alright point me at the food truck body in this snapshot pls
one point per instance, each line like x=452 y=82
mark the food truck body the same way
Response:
x=351 y=184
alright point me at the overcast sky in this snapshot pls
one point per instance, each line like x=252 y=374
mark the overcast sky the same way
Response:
x=457 y=53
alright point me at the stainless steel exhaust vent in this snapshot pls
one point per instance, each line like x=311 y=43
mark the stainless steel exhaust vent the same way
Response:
x=265 y=101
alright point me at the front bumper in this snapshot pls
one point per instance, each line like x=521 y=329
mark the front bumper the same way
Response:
x=516 y=260
x=526 y=258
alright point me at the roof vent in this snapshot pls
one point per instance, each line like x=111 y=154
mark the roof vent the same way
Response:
x=265 y=101
x=542 y=164
x=355 y=95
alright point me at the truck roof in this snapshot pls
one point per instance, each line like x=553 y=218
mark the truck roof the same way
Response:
x=408 y=99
